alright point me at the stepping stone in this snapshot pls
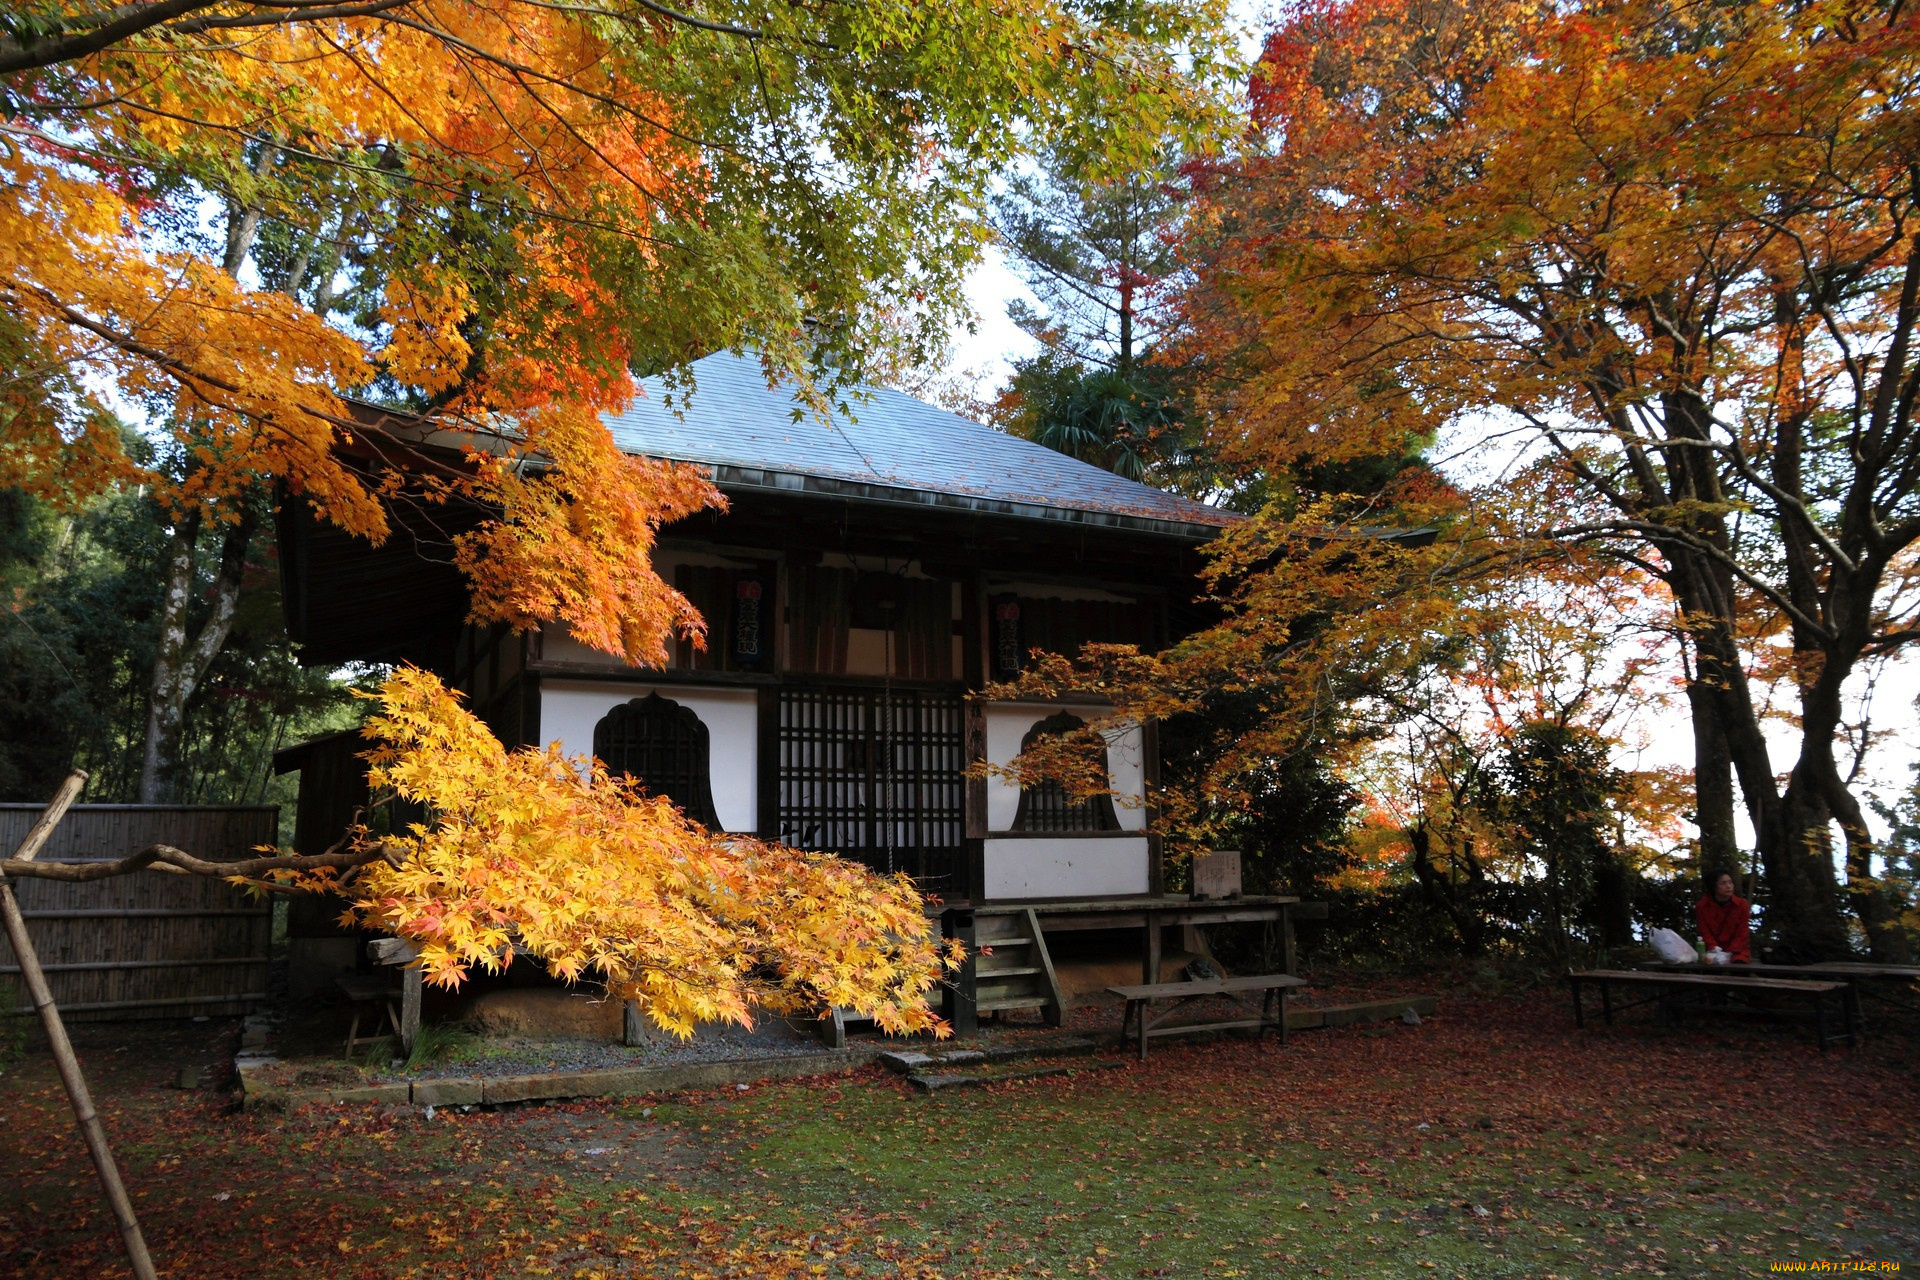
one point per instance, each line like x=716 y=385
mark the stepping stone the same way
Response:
x=936 y=1082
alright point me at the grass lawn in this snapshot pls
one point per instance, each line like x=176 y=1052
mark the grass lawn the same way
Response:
x=1493 y=1140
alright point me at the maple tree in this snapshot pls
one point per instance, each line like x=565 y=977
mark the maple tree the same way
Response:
x=1662 y=258
x=594 y=877
x=237 y=218
x=529 y=852
x=1412 y=657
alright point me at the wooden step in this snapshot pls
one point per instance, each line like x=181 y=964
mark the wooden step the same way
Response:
x=1028 y=982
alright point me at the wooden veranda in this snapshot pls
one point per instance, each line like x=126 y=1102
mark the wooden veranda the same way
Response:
x=1017 y=971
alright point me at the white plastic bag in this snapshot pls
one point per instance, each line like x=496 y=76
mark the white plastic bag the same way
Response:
x=1671 y=947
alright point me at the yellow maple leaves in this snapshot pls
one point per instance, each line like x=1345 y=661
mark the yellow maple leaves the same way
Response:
x=528 y=852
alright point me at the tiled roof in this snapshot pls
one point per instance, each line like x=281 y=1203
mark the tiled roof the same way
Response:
x=889 y=444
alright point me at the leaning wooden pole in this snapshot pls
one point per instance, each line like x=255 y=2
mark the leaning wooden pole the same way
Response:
x=36 y=980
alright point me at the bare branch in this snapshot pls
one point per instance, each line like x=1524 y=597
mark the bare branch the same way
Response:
x=90 y=35
x=156 y=856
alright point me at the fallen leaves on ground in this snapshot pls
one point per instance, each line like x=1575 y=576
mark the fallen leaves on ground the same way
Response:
x=1493 y=1140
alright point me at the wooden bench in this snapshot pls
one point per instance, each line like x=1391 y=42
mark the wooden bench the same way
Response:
x=1891 y=984
x=1667 y=983
x=1141 y=999
x=373 y=994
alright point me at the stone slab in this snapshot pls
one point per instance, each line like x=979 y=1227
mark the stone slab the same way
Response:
x=257 y=1091
x=465 y=1092
x=399 y=1092
x=940 y=1081
x=1061 y=1047
x=495 y=1090
x=261 y=1094
x=1346 y=1015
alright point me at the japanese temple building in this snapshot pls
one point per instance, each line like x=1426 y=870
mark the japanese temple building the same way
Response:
x=874 y=568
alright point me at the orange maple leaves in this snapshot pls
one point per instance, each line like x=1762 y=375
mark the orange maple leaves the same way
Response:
x=500 y=117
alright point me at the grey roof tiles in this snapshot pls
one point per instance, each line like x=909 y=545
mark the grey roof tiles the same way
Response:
x=889 y=441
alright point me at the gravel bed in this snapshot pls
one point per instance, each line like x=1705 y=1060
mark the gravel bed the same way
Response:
x=772 y=1038
x=523 y=1055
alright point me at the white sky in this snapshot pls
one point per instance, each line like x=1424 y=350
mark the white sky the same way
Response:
x=985 y=357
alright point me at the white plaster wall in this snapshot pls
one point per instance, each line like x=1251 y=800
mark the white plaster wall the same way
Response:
x=570 y=708
x=1065 y=867
x=1007 y=723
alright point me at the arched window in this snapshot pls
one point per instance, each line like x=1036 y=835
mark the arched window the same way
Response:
x=1046 y=806
x=662 y=745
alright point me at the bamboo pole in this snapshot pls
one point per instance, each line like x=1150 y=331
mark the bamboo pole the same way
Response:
x=63 y=1056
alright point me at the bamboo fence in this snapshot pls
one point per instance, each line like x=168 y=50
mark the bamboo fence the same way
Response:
x=149 y=944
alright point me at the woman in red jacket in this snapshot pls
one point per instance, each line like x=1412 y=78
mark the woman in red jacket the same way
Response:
x=1724 y=917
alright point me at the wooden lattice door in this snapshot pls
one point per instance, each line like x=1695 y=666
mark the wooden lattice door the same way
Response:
x=874 y=774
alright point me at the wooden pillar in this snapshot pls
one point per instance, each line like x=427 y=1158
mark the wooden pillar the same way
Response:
x=973 y=846
x=961 y=1000
x=766 y=764
x=397 y=951
x=1150 y=775
x=411 y=981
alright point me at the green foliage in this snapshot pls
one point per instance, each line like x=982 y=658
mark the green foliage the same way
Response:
x=1130 y=422
x=81 y=595
x=1294 y=836
x=1392 y=927
x=434 y=1042
x=77 y=634
x=1899 y=878
x=1558 y=791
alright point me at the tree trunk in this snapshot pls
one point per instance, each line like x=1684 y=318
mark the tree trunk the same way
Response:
x=1817 y=777
x=1713 y=785
x=1803 y=911
x=1803 y=915
x=182 y=655
x=1878 y=910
